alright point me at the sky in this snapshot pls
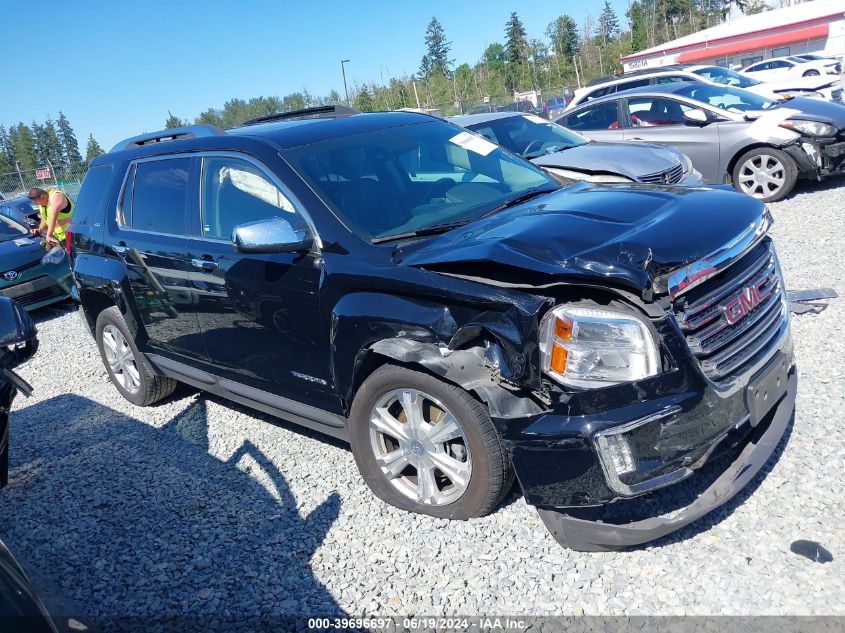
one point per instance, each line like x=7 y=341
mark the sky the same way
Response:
x=116 y=68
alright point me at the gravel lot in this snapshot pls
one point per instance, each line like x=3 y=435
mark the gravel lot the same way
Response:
x=203 y=508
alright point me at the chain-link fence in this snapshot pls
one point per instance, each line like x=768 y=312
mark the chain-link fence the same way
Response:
x=66 y=177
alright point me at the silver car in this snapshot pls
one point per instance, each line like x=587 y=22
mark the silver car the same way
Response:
x=731 y=135
x=570 y=157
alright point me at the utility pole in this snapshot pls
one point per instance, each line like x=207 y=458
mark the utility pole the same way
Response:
x=18 y=169
x=416 y=95
x=343 y=70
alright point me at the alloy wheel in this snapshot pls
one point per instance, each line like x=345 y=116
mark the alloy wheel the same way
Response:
x=420 y=447
x=762 y=176
x=121 y=359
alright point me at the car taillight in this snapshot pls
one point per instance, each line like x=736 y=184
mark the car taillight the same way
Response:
x=67 y=240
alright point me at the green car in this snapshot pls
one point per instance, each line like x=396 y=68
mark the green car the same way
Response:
x=29 y=273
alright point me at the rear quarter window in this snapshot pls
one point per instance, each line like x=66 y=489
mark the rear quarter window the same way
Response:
x=89 y=203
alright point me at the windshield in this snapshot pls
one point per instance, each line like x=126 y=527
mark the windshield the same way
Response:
x=726 y=98
x=403 y=179
x=10 y=230
x=725 y=76
x=529 y=136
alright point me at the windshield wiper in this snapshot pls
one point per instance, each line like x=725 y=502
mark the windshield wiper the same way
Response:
x=432 y=229
x=525 y=195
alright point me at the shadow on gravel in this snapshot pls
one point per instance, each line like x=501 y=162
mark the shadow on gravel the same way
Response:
x=144 y=530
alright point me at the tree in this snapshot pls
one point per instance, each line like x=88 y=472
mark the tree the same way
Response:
x=93 y=149
x=436 y=59
x=171 y=122
x=22 y=144
x=563 y=35
x=6 y=160
x=70 y=146
x=516 y=41
x=608 y=23
x=364 y=100
x=54 y=145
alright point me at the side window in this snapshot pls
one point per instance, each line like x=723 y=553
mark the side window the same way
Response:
x=94 y=189
x=781 y=63
x=595 y=94
x=637 y=83
x=603 y=116
x=234 y=192
x=671 y=79
x=159 y=196
x=650 y=112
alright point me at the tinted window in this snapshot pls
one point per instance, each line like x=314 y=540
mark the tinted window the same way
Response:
x=637 y=83
x=763 y=66
x=160 y=196
x=595 y=94
x=9 y=229
x=781 y=63
x=671 y=79
x=650 y=112
x=599 y=117
x=235 y=192
x=94 y=189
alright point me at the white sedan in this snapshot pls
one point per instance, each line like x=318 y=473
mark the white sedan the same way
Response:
x=788 y=67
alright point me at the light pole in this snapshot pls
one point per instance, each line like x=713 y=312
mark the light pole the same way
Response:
x=343 y=70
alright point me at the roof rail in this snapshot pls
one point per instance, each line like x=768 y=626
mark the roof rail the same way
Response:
x=175 y=133
x=319 y=112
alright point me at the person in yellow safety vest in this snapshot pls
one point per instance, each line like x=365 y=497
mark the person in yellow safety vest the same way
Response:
x=56 y=211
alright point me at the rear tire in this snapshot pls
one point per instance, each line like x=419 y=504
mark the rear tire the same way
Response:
x=765 y=173
x=400 y=454
x=811 y=73
x=127 y=368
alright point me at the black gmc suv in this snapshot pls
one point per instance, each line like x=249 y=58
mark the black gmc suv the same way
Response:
x=398 y=282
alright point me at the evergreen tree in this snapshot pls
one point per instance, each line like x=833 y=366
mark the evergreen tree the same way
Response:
x=171 y=122
x=53 y=144
x=7 y=164
x=436 y=60
x=608 y=23
x=39 y=141
x=70 y=146
x=516 y=41
x=22 y=144
x=364 y=100
x=93 y=149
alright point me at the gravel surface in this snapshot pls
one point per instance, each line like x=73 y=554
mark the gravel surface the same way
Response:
x=200 y=507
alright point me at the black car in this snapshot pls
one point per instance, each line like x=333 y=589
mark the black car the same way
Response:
x=401 y=283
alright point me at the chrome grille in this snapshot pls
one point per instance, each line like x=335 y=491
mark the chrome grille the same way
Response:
x=666 y=177
x=724 y=348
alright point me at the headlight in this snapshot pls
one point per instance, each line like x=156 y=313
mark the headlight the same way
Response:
x=687 y=163
x=809 y=128
x=55 y=256
x=586 y=347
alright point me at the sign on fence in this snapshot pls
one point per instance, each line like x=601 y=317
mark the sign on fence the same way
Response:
x=43 y=174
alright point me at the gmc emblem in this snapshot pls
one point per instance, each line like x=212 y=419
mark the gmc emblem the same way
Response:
x=749 y=298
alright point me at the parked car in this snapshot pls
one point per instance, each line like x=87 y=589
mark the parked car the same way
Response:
x=780 y=67
x=30 y=273
x=570 y=157
x=22 y=210
x=813 y=57
x=21 y=609
x=731 y=135
x=554 y=105
x=823 y=87
x=393 y=280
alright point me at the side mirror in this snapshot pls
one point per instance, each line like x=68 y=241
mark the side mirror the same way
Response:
x=274 y=235
x=697 y=115
x=18 y=337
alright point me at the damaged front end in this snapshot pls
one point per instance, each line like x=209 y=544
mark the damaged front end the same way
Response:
x=602 y=462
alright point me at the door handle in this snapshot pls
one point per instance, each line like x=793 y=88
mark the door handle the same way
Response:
x=204 y=264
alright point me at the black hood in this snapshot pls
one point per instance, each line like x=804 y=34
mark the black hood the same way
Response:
x=622 y=235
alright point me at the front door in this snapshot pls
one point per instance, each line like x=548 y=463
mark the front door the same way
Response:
x=151 y=235
x=258 y=313
x=661 y=120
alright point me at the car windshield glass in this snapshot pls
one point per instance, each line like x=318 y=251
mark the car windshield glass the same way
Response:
x=404 y=179
x=725 y=97
x=726 y=76
x=528 y=135
x=10 y=230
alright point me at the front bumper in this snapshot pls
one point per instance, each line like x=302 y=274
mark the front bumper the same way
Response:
x=40 y=286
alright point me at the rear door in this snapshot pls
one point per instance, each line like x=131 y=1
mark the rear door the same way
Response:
x=258 y=312
x=150 y=234
x=661 y=120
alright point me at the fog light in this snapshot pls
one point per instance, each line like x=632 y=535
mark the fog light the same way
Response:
x=618 y=453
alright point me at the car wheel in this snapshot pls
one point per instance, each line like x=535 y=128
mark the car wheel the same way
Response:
x=811 y=73
x=765 y=173
x=427 y=446
x=126 y=366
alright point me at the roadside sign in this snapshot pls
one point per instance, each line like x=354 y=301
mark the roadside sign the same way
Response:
x=43 y=174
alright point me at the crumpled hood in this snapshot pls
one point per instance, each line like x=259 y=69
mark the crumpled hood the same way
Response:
x=19 y=252
x=807 y=109
x=611 y=234
x=628 y=159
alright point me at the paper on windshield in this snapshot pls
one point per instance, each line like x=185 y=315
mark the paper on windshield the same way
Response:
x=23 y=241
x=473 y=143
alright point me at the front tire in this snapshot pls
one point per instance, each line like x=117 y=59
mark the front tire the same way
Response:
x=427 y=446
x=127 y=368
x=765 y=173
